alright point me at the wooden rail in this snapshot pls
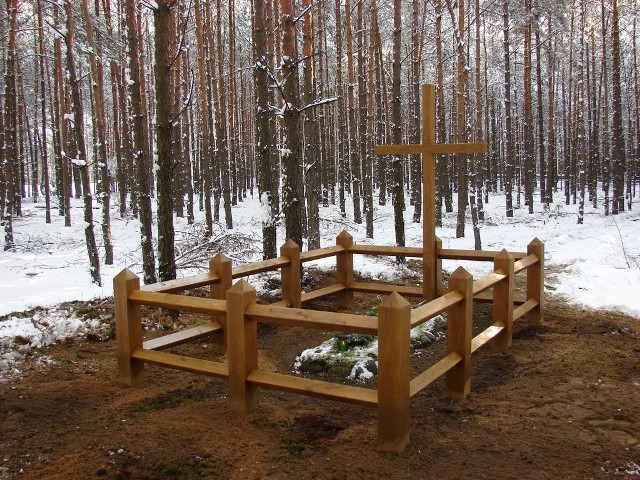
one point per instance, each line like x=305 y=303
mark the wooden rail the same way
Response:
x=234 y=315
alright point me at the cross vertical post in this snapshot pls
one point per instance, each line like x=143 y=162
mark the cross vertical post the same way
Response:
x=428 y=149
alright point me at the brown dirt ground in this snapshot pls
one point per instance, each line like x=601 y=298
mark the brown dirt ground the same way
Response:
x=561 y=403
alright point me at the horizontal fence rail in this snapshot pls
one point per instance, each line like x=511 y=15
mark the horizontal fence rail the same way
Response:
x=234 y=314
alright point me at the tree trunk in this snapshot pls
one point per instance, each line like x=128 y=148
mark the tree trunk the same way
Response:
x=398 y=180
x=205 y=116
x=100 y=139
x=222 y=134
x=292 y=187
x=166 y=166
x=42 y=63
x=510 y=153
x=617 y=157
x=311 y=151
x=10 y=125
x=265 y=148
x=139 y=115
x=354 y=155
x=80 y=157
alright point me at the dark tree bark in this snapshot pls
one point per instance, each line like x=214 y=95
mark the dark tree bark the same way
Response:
x=617 y=129
x=139 y=115
x=164 y=127
x=100 y=140
x=265 y=150
x=398 y=177
x=80 y=155
x=510 y=152
x=292 y=182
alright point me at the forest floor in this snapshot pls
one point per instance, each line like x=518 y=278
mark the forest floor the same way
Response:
x=562 y=402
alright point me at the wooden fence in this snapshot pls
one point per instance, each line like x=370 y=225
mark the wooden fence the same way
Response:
x=235 y=313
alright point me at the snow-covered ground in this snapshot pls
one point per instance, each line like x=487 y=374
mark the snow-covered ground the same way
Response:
x=594 y=265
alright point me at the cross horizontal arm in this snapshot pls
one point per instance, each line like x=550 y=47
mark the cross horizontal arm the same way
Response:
x=431 y=148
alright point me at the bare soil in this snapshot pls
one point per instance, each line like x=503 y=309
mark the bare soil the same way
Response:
x=561 y=403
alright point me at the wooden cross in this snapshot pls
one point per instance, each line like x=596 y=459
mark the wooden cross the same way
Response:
x=429 y=148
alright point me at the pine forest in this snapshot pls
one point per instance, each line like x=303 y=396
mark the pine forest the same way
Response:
x=153 y=109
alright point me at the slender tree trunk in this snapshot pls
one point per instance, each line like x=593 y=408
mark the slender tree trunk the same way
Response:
x=144 y=187
x=100 y=139
x=265 y=148
x=617 y=157
x=510 y=153
x=528 y=126
x=341 y=134
x=43 y=111
x=292 y=188
x=80 y=157
x=354 y=155
x=166 y=165
x=10 y=125
x=398 y=180
x=311 y=151
x=222 y=134
x=205 y=116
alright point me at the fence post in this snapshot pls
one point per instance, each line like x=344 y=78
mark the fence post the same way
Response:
x=242 y=347
x=344 y=269
x=458 y=381
x=438 y=267
x=394 y=326
x=290 y=274
x=128 y=328
x=535 y=280
x=503 y=301
x=222 y=266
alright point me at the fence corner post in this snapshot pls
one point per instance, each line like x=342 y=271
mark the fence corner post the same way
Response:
x=344 y=269
x=503 y=301
x=128 y=328
x=459 y=326
x=222 y=266
x=394 y=343
x=242 y=347
x=290 y=274
x=535 y=280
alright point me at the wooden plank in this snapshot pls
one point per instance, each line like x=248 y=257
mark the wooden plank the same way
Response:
x=322 y=292
x=181 y=284
x=259 y=267
x=386 y=289
x=314 y=388
x=486 y=336
x=434 y=372
x=525 y=308
x=524 y=263
x=182 y=303
x=386 y=250
x=183 y=336
x=321 y=253
x=487 y=297
x=473 y=255
x=435 y=307
x=487 y=282
x=181 y=362
x=341 y=322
